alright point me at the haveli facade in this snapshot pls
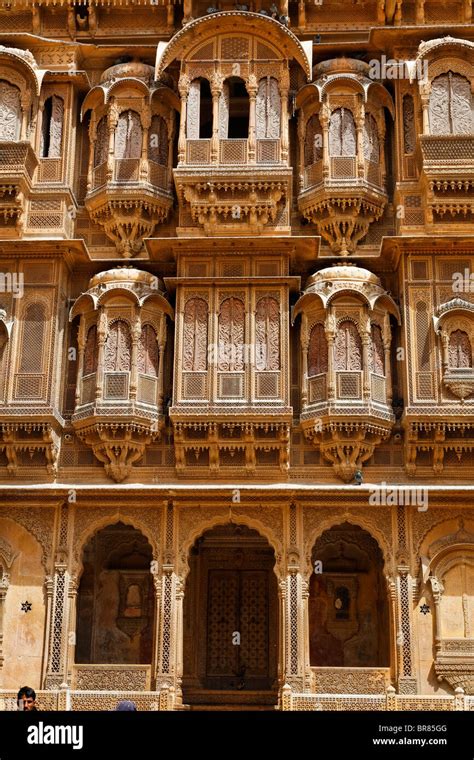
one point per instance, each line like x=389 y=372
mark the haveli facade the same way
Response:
x=236 y=336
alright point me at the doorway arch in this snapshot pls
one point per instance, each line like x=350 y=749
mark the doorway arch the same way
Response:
x=231 y=619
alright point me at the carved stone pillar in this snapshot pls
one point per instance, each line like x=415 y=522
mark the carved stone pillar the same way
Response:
x=397 y=19
x=171 y=127
x=161 y=339
x=216 y=89
x=90 y=163
x=304 y=339
x=4 y=584
x=112 y=120
x=387 y=341
x=330 y=332
x=324 y=116
x=383 y=167
x=183 y=87
x=25 y=107
x=58 y=620
x=251 y=86
x=365 y=338
x=293 y=593
x=406 y=681
x=425 y=105
x=360 y=120
x=101 y=337
x=420 y=11
x=302 y=121
x=71 y=627
x=81 y=344
x=146 y=122
x=301 y=14
x=437 y=589
x=135 y=335
x=284 y=88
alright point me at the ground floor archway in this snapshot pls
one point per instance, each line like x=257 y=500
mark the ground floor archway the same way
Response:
x=231 y=619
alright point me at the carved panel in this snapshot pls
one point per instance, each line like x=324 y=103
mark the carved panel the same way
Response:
x=101 y=144
x=342 y=133
x=347 y=347
x=128 y=135
x=118 y=351
x=409 y=132
x=195 y=335
x=10 y=111
x=90 y=352
x=193 y=109
x=112 y=677
x=231 y=335
x=459 y=350
x=224 y=111
x=52 y=127
x=268 y=107
x=377 y=353
x=371 y=139
x=317 y=351
x=32 y=347
x=451 y=105
x=147 y=359
x=267 y=334
x=158 y=141
x=313 y=146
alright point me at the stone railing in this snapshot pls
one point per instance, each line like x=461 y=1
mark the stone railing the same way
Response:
x=16 y=158
x=390 y=701
x=448 y=151
x=96 y=701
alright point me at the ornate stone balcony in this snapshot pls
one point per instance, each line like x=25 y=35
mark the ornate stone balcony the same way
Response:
x=119 y=394
x=17 y=165
x=448 y=175
x=347 y=388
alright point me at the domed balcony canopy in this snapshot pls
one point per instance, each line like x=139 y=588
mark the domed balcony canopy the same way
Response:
x=23 y=61
x=323 y=286
x=197 y=32
x=129 y=283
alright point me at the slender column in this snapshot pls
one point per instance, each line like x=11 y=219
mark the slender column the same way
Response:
x=301 y=14
x=4 y=584
x=81 y=344
x=146 y=123
x=101 y=337
x=302 y=121
x=183 y=88
x=366 y=337
x=136 y=331
x=284 y=88
x=161 y=338
x=112 y=120
x=425 y=104
x=252 y=87
x=360 y=140
x=216 y=89
x=330 y=332
x=387 y=341
x=324 y=116
x=90 y=163
x=304 y=339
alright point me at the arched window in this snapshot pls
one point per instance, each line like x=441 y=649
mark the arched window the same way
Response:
x=118 y=348
x=199 y=110
x=409 y=134
x=10 y=111
x=128 y=135
x=52 y=127
x=451 y=107
x=347 y=348
x=371 y=139
x=267 y=334
x=195 y=335
x=90 y=352
x=231 y=335
x=342 y=133
x=317 y=351
x=101 y=144
x=148 y=352
x=313 y=144
x=234 y=109
x=459 y=350
x=32 y=345
x=268 y=109
x=158 y=141
x=377 y=352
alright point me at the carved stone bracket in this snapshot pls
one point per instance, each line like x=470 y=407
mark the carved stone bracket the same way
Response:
x=17 y=438
x=346 y=445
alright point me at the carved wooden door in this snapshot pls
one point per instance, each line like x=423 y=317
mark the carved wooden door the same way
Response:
x=237 y=630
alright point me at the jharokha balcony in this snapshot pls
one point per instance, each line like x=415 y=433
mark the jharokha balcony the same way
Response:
x=17 y=165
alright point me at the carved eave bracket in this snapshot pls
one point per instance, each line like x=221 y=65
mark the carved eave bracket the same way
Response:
x=346 y=445
x=118 y=445
x=128 y=218
x=17 y=438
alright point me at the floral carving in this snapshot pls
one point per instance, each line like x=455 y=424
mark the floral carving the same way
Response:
x=10 y=111
x=451 y=105
x=268 y=107
x=193 y=109
x=195 y=335
x=101 y=147
x=128 y=135
x=459 y=350
x=224 y=111
x=371 y=139
x=118 y=348
x=377 y=353
x=148 y=352
x=342 y=133
x=317 y=351
x=90 y=352
x=409 y=135
x=158 y=142
x=347 y=348
x=313 y=146
x=231 y=335
x=52 y=128
x=267 y=334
